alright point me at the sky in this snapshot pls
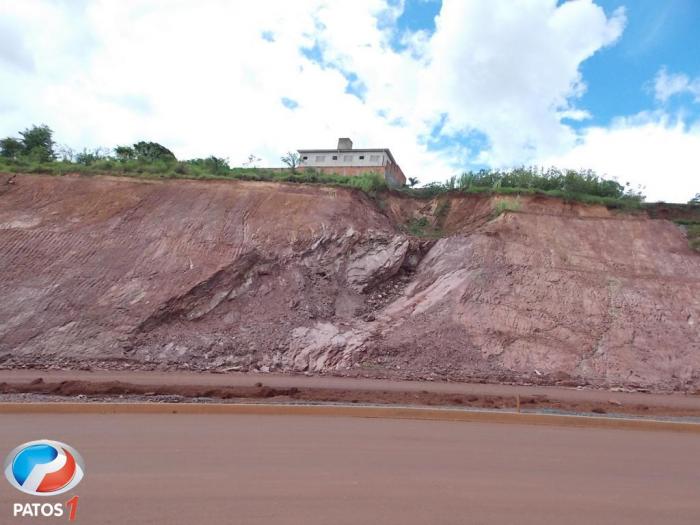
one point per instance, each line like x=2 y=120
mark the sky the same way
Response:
x=448 y=86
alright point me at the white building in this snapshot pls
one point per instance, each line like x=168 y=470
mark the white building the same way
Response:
x=344 y=160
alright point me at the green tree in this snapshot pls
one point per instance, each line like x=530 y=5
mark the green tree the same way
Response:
x=37 y=143
x=412 y=181
x=695 y=200
x=124 y=153
x=152 y=151
x=11 y=148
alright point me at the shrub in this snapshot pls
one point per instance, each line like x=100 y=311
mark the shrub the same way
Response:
x=505 y=205
x=211 y=165
x=582 y=186
x=367 y=182
x=417 y=226
x=442 y=209
x=89 y=157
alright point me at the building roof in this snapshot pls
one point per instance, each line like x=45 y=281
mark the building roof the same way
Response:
x=358 y=150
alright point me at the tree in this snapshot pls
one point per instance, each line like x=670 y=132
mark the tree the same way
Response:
x=695 y=200
x=11 y=148
x=291 y=160
x=152 y=151
x=37 y=143
x=124 y=153
x=412 y=181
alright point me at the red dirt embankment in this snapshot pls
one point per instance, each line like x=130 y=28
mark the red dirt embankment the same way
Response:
x=110 y=272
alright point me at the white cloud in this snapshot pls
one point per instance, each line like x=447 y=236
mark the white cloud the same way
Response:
x=650 y=149
x=209 y=77
x=667 y=85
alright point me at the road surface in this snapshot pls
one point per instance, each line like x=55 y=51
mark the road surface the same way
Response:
x=670 y=401
x=190 y=469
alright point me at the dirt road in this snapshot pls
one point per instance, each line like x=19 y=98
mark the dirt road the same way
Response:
x=184 y=469
x=344 y=389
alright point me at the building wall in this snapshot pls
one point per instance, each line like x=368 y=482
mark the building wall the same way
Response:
x=349 y=171
x=391 y=172
x=349 y=158
x=394 y=175
x=351 y=164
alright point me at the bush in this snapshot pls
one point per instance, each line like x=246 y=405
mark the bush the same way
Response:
x=581 y=186
x=367 y=182
x=213 y=165
x=505 y=205
x=90 y=157
x=417 y=226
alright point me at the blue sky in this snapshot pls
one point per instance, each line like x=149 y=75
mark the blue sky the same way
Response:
x=619 y=78
x=657 y=34
x=452 y=85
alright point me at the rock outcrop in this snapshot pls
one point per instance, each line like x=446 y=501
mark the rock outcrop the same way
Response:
x=112 y=272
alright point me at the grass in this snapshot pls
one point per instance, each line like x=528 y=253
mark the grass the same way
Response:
x=417 y=226
x=368 y=182
x=505 y=205
x=623 y=203
x=420 y=227
x=570 y=185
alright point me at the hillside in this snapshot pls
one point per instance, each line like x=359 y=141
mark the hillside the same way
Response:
x=219 y=275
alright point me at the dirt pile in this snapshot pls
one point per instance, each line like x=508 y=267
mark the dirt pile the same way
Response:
x=109 y=272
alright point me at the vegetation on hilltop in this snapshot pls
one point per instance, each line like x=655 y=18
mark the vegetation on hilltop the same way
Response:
x=576 y=185
x=150 y=160
x=36 y=152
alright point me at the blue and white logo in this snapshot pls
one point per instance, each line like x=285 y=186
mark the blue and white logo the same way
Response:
x=44 y=468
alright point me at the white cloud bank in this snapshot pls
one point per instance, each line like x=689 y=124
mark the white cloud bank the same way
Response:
x=650 y=150
x=209 y=77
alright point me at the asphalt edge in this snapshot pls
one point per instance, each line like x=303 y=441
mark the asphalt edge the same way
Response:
x=373 y=412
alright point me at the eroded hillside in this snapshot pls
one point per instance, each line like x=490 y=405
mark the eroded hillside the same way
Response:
x=109 y=272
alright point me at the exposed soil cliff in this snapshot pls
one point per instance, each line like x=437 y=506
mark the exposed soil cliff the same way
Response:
x=247 y=275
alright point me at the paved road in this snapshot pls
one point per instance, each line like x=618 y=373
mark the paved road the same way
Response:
x=285 y=381
x=187 y=469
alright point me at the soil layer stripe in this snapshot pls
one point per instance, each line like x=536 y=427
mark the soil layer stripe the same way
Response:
x=351 y=411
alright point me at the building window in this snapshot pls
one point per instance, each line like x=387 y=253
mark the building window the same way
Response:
x=374 y=158
x=347 y=158
x=335 y=157
x=362 y=157
x=320 y=158
x=305 y=157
